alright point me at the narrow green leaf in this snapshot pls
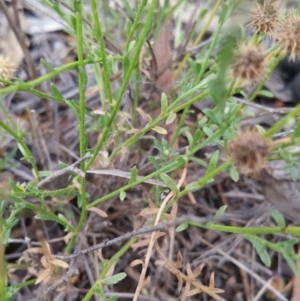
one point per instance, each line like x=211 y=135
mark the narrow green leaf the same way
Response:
x=122 y=195
x=133 y=174
x=192 y=186
x=260 y=249
x=128 y=24
x=213 y=162
x=278 y=218
x=73 y=21
x=153 y=162
x=211 y=115
x=63 y=218
x=113 y=298
x=14 y=187
x=19 y=130
x=172 y=116
x=287 y=244
x=56 y=91
x=234 y=173
x=291 y=263
x=46 y=217
x=164 y=103
x=46 y=65
x=266 y=93
x=131 y=45
x=114 y=279
x=182 y=227
x=169 y=182
x=223 y=14
x=220 y=212
x=128 y=9
x=208 y=131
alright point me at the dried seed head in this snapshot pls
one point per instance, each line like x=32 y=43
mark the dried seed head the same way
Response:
x=264 y=19
x=288 y=36
x=6 y=69
x=249 y=63
x=249 y=151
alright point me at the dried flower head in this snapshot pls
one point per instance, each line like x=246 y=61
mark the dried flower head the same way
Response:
x=288 y=36
x=249 y=151
x=264 y=19
x=6 y=69
x=249 y=63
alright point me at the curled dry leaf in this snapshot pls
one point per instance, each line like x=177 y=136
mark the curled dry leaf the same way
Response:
x=146 y=281
x=136 y=262
x=68 y=237
x=146 y=117
x=98 y=211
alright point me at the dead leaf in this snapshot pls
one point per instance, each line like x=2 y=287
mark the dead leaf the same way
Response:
x=163 y=52
x=98 y=211
x=137 y=262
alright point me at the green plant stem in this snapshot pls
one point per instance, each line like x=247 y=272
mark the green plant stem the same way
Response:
x=99 y=37
x=136 y=22
x=289 y=230
x=126 y=78
x=98 y=286
x=20 y=86
x=82 y=137
x=281 y=122
x=240 y=230
x=23 y=145
x=45 y=193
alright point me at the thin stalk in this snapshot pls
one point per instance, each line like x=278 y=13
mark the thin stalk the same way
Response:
x=99 y=37
x=82 y=137
x=282 y=121
x=126 y=78
x=20 y=86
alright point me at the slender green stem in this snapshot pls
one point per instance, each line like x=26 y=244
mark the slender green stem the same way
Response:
x=240 y=230
x=20 y=86
x=82 y=137
x=99 y=37
x=136 y=22
x=46 y=193
x=281 y=122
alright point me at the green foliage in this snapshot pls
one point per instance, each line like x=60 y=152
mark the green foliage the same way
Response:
x=206 y=75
